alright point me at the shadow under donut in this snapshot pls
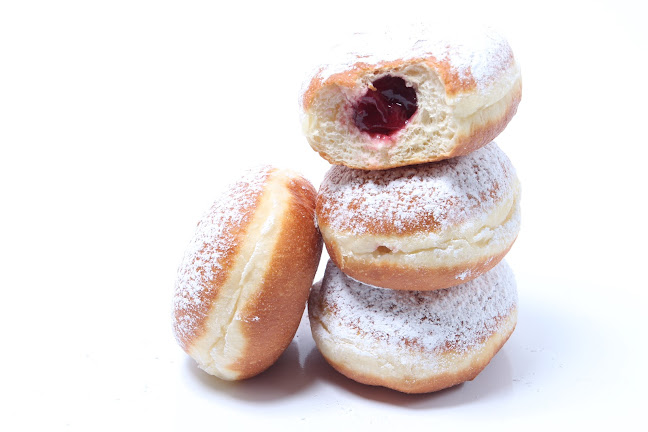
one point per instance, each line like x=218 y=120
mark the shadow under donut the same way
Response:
x=494 y=379
x=284 y=378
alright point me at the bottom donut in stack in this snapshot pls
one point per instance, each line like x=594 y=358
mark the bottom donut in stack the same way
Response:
x=412 y=341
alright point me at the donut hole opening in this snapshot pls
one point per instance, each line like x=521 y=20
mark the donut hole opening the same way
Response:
x=386 y=107
x=382 y=250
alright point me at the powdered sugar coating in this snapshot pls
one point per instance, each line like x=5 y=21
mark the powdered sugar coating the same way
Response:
x=211 y=251
x=432 y=322
x=428 y=197
x=473 y=57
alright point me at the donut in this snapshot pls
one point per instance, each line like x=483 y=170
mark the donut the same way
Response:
x=401 y=99
x=422 y=227
x=243 y=283
x=412 y=341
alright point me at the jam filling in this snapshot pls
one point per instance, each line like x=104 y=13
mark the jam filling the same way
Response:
x=386 y=107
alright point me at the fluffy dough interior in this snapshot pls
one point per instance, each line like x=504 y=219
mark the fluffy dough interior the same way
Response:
x=329 y=127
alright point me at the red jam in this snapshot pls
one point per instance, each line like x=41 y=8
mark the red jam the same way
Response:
x=386 y=108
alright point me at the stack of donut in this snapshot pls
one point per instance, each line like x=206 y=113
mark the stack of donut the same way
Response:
x=418 y=211
x=416 y=214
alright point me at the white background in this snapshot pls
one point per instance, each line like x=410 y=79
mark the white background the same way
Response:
x=121 y=120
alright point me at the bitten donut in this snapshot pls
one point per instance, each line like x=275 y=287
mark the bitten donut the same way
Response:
x=404 y=99
x=412 y=341
x=421 y=227
x=244 y=280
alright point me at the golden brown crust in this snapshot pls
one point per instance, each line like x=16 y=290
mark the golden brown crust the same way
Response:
x=425 y=227
x=440 y=381
x=402 y=277
x=245 y=279
x=270 y=320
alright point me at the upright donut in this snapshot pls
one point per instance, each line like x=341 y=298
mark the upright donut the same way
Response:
x=412 y=341
x=244 y=280
x=421 y=227
x=408 y=98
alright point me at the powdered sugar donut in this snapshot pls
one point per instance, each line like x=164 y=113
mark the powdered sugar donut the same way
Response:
x=412 y=341
x=244 y=280
x=407 y=98
x=421 y=227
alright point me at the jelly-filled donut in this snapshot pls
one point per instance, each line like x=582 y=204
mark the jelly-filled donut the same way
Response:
x=421 y=227
x=244 y=280
x=412 y=341
x=402 y=99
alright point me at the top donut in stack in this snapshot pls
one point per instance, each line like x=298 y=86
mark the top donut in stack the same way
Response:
x=406 y=100
x=422 y=199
